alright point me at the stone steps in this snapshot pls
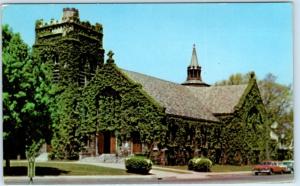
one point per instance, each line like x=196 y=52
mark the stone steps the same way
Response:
x=104 y=158
x=43 y=157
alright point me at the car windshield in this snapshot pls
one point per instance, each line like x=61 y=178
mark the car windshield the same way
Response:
x=287 y=163
x=266 y=163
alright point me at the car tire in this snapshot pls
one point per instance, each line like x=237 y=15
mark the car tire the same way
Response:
x=256 y=173
x=270 y=172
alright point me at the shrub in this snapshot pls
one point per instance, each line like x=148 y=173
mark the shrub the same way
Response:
x=191 y=163
x=200 y=164
x=138 y=165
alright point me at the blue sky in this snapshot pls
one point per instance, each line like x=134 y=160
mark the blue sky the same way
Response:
x=157 y=39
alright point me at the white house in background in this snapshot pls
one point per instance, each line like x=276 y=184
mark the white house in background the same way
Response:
x=279 y=136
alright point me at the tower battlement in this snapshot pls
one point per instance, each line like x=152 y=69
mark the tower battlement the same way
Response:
x=70 y=15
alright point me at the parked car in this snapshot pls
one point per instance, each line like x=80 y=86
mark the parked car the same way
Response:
x=269 y=167
x=290 y=165
x=284 y=167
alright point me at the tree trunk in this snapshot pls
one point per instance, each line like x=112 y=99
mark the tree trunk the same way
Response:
x=7 y=163
x=7 y=169
x=267 y=150
x=267 y=140
x=6 y=154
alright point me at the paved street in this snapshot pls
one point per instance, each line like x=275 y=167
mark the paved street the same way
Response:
x=163 y=175
x=83 y=180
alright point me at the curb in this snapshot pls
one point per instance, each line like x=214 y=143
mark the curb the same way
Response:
x=195 y=175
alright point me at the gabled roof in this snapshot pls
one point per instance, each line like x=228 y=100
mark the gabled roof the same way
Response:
x=176 y=98
x=219 y=99
x=189 y=101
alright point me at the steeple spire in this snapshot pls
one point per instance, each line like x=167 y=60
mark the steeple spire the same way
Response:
x=194 y=72
x=194 y=60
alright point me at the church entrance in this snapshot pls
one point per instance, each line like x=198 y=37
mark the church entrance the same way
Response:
x=106 y=143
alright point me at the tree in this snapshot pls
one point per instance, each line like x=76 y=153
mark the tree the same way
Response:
x=277 y=99
x=26 y=97
x=235 y=79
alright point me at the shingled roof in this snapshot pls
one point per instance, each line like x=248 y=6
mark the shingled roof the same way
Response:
x=189 y=101
x=219 y=99
x=176 y=98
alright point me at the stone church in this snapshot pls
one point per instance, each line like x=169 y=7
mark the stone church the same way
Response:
x=225 y=123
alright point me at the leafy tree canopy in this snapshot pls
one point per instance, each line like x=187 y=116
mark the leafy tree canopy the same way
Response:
x=25 y=96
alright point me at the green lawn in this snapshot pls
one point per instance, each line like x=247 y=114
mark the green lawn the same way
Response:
x=219 y=168
x=19 y=168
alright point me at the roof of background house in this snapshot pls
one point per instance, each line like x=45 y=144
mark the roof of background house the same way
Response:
x=188 y=101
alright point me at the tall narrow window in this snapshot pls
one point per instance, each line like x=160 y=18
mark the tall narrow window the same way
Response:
x=56 y=74
x=44 y=58
x=82 y=76
x=55 y=59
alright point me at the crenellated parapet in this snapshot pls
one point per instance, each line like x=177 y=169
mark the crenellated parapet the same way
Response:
x=70 y=22
x=40 y=24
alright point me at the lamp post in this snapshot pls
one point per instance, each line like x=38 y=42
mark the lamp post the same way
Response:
x=164 y=156
x=96 y=136
x=31 y=169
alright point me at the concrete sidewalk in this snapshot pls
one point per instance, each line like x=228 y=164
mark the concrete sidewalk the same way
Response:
x=169 y=172
x=153 y=173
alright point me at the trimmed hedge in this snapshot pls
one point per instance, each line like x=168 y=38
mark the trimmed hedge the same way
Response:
x=200 y=164
x=138 y=165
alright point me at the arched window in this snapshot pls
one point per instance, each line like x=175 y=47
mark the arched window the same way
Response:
x=254 y=117
x=110 y=92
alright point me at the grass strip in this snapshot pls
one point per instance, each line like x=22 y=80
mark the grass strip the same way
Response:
x=19 y=168
x=218 y=168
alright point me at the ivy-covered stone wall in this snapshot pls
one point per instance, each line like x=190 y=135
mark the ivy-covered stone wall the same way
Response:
x=187 y=138
x=245 y=133
x=112 y=102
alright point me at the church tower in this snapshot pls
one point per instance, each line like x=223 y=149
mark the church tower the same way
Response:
x=72 y=48
x=194 y=72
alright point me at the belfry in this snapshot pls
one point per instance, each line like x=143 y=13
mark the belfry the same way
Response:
x=194 y=72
